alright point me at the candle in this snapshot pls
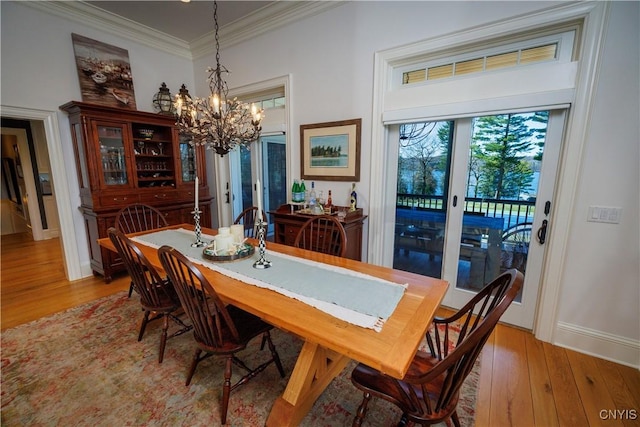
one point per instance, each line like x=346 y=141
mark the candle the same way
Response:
x=259 y=197
x=216 y=103
x=196 y=193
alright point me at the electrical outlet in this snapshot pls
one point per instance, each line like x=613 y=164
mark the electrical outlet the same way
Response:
x=610 y=215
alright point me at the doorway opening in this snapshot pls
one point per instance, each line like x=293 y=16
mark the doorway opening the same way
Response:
x=50 y=137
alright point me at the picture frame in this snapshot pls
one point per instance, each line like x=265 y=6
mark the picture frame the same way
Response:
x=104 y=73
x=330 y=151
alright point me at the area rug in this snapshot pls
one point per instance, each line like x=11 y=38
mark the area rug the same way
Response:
x=85 y=367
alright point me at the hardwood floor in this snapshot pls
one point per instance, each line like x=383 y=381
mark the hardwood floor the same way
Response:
x=34 y=282
x=523 y=381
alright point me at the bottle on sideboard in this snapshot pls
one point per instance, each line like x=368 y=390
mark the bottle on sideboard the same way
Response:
x=312 y=194
x=329 y=205
x=303 y=193
x=295 y=191
x=353 y=199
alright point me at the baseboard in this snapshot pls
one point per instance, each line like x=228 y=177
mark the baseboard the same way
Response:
x=50 y=234
x=598 y=344
x=86 y=270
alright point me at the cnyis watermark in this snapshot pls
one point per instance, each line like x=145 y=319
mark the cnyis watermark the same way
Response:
x=618 y=414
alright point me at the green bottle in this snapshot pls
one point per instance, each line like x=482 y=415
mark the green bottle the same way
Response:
x=295 y=191
x=303 y=192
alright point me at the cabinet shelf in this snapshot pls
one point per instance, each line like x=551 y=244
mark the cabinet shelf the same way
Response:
x=159 y=178
x=152 y=140
x=154 y=156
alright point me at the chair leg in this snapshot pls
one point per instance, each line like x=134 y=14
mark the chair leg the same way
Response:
x=362 y=410
x=264 y=340
x=455 y=419
x=130 y=289
x=194 y=363
x=226 y=390
x=143 y=326
x=163 y=337
x=274 y=353
x=405 y=422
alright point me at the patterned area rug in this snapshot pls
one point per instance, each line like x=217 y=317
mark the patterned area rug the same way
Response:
x=85 y=367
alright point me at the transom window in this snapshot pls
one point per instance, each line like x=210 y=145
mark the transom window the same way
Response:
x=543 y=49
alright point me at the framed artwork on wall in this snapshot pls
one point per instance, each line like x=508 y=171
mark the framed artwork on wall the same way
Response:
x=330 y=151
x=104 y=73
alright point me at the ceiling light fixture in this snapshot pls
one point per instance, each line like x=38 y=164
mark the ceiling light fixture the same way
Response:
x=217 y=122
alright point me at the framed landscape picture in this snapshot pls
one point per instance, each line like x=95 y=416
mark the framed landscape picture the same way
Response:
x=331 y=151
x=104 y=73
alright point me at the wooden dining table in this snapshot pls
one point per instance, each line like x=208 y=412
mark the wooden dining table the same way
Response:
x=329 y=343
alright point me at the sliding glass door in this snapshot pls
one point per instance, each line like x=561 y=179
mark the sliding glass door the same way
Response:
x=470 y=194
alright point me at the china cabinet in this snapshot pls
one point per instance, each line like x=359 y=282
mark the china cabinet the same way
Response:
x=125 y=157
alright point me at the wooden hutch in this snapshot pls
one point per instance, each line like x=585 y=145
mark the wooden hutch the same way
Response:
x=288 y=219
x=127 y=156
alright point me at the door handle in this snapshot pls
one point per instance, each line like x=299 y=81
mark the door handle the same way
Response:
x=542 y=232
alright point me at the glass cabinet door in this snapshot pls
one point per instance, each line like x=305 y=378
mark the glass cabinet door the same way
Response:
x=187 y=161
x=112 y=155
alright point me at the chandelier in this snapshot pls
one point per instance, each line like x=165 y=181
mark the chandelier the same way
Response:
x=217 y=122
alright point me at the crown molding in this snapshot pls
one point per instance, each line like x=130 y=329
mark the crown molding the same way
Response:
x=108 y=22
x=268 y=18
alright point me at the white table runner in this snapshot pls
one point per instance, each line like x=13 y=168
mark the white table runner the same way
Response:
x=357 y=298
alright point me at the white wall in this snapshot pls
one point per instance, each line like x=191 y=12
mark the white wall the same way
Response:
x=38 y=72
x=330 y=59
x=601 y=281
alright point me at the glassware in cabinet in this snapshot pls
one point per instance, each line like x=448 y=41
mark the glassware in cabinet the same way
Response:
x=112 y=155
x=187 y=161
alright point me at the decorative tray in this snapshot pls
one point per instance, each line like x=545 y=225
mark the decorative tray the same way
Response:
x=245 y=251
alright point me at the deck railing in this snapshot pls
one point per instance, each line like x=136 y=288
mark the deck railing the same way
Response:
x=514 y=212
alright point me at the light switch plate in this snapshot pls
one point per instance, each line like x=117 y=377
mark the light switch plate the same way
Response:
x=610 y=215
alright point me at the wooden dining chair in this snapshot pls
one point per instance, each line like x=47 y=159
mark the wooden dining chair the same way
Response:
x=428 y=393
x=323 y=234
x=218 y=329
x=157 y=295
x=138 y=217
x=248 y=218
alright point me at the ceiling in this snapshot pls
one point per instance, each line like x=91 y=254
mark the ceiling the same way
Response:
x=185 y=21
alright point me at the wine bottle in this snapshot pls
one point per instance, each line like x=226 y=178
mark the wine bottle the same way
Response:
x=303 y=192
x=295 y=191
x=353 y=198
x=312 y=194
x=328 y=205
